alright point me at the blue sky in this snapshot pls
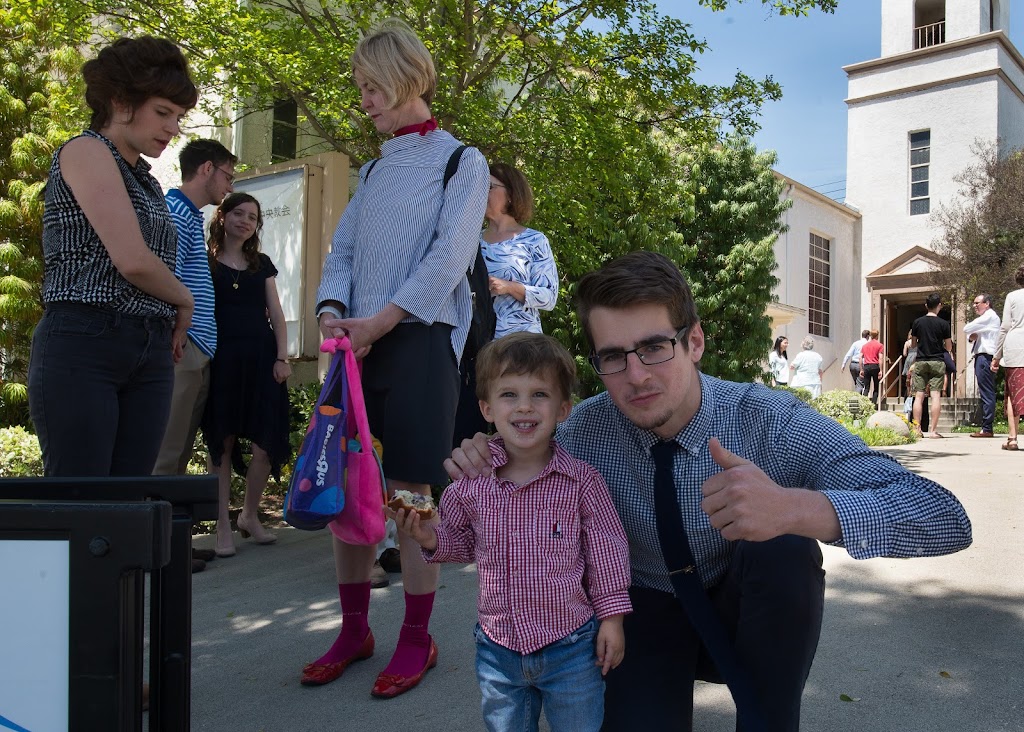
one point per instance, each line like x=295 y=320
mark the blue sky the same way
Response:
x=807 y=127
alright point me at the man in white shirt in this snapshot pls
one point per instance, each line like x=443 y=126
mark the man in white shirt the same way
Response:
x=982 y=333
x=853 y=357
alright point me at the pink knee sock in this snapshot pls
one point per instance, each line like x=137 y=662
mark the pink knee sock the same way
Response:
x=413 y=640
x=355 y=605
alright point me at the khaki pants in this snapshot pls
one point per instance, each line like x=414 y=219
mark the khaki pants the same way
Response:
x=191 y=385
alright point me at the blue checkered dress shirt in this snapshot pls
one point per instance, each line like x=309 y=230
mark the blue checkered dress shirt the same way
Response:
x=883 y=509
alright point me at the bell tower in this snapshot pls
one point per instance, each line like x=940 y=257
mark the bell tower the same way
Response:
x=909 y=25
x=947 y=79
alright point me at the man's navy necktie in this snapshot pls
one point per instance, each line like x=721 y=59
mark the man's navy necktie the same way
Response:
x=682 y=569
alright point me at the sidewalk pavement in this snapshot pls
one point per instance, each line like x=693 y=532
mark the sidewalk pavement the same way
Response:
x=922 y=644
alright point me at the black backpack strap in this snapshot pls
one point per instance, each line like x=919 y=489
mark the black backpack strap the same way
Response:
x=453 y=164
x=370 y=169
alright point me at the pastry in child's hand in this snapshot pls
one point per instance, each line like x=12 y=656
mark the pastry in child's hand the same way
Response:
x=423 y=505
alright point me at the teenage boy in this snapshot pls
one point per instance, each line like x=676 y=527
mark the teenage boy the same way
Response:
x=207 y=175
x=551 y=554
x=933 y=339
x=724 y=490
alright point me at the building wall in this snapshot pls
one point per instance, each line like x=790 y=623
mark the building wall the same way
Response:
x=964 y=18
x=813 y=213
x=878 y=171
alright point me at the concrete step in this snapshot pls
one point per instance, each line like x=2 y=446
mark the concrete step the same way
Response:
x=952 y=413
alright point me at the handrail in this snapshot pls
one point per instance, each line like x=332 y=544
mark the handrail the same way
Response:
x=883 y=388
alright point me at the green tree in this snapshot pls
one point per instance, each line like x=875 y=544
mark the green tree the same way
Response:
x=729 y=252
x=585 y=98
x=39 y=107
x=982 y=239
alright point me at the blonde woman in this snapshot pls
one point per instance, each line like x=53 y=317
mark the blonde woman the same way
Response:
x=395 y=283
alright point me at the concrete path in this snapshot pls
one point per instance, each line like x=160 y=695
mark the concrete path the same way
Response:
x=923 y=644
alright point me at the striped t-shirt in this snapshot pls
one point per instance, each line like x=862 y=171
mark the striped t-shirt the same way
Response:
x=192 y=267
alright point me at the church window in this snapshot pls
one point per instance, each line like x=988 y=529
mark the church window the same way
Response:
x=285 y=131
x=819 y=286
x=929 y=23
x=920 y=160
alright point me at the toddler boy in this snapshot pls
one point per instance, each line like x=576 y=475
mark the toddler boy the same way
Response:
x=551 y=554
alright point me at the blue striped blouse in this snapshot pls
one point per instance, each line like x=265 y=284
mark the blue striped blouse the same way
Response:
x=406 y=239
x=525 y=258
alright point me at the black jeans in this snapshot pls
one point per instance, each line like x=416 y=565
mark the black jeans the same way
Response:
x=771 y=603
x=871 y=374
x=99 y=389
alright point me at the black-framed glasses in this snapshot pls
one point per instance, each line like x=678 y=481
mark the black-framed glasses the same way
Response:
x=655 y=352
x=229 y=176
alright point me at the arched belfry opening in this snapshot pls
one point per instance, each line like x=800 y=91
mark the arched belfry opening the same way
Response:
x=929 y=23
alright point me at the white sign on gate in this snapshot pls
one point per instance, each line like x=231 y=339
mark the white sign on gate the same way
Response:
x=35 y=600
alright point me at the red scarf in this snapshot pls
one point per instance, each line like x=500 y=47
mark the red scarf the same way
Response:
x=422 y=127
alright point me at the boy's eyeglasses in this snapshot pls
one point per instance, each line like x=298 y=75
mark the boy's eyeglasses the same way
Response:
x=613 y=362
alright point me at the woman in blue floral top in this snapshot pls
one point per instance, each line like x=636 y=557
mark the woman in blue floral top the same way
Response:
x=524 y=279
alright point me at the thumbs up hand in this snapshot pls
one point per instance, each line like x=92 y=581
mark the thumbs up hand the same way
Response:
x=741 y=501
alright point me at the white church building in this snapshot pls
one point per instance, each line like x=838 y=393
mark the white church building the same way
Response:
x=948 y=77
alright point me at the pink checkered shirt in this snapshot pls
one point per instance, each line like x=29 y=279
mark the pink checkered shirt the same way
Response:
x=550 y=554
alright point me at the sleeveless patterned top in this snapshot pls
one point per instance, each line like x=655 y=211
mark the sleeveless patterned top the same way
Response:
x=77 y=267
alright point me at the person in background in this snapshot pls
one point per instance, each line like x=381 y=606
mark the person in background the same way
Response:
x=248 y=380
x=552 y=649
x=852 y=357
x=806 y=368
x=101 y=368
x=871 y=361
x=983 y=334
x=395 y=283
x=1009 y=355
x=523 y=278
x=523 y=275
x=933 y=339
x=207 y=174
x=909 y=355
x=778 y=362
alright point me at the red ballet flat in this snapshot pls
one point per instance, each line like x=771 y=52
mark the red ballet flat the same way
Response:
x=389 y=686
x=318 y=674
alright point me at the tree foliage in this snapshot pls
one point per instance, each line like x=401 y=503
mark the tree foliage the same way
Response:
x=728 y=245
x=596 y=102
x=982 y=240
x=40 y=98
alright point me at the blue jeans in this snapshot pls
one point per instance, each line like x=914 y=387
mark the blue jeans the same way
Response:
x=563 y=676
x=99 y=390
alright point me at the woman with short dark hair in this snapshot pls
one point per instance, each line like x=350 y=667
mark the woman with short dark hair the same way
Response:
x=101 y=370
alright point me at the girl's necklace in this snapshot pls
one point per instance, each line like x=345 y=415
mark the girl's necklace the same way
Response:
x=235 y=274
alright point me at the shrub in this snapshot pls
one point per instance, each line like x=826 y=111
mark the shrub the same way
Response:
x=880 y=436
x=19 y=453
x=800 y=393
x=836 y=404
